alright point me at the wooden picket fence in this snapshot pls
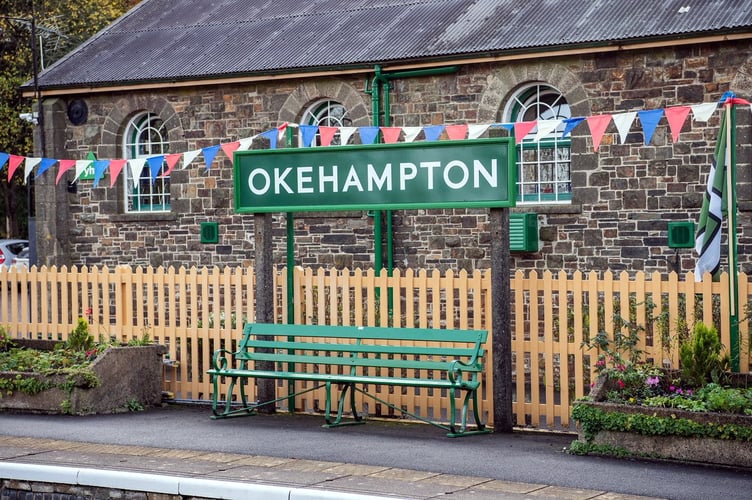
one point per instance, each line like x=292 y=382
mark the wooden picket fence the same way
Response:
x=554 y=318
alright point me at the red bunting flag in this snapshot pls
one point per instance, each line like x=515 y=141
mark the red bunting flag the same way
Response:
x=116 y=166
x=327 y=134
x=172 y=160
x=64 y=166
x=521 y=129
x=13 y=164
x=281 y=130
x=598 y=125
x=456 y=132
x=737 y=100
x=391 y=134
x=676 y=115
x=230 y=147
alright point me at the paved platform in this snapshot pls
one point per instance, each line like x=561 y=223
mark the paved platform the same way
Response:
x=250 y=475
x=178 y=449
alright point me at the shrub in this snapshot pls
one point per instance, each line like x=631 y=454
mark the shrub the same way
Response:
x=80 y=339
x=700 y=357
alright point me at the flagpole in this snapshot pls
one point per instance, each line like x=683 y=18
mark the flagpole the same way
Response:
x=732 y=235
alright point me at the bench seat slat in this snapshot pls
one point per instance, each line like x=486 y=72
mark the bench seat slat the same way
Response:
x=438 y=350
x=343 y=378
x=369 y=332
x=356 y=362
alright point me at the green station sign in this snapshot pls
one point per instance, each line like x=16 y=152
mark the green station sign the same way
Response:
x=447 y=174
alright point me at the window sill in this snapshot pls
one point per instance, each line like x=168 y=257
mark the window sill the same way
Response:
x=144 y=217
x=572 y=208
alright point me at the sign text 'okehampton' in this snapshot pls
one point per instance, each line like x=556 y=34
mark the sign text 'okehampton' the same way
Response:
x=449 y=174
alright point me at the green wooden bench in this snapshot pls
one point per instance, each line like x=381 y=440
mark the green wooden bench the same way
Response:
x=353 y=358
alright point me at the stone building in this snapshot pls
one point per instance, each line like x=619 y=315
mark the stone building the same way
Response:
x=178 y=77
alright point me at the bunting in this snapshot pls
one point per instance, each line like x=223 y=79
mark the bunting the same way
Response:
x=676 y=117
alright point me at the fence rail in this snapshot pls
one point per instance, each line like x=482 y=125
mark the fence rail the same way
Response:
x=554 y=318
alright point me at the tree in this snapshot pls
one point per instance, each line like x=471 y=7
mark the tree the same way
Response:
x=61 y=26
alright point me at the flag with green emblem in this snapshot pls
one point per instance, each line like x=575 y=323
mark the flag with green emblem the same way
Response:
x=708 y=238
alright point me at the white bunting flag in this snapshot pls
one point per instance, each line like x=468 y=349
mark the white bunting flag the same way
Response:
x=189 y=156
x=545 y=127
x=475 y=131
x=703 y=112
x=136 y=165
x=245 y=144
x=623 y=122
x=29 y=166
x=411 y=133
x=345 y=133
x=81 y=165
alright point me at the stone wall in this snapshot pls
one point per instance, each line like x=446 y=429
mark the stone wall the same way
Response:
x=623 y=195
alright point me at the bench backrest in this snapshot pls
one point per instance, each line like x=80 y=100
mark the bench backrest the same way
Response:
x=367 y=346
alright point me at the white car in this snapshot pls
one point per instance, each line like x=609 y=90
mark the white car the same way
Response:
x=21 y=261
x=10 y=248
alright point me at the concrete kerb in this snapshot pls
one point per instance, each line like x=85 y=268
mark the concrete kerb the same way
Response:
x=165 y=484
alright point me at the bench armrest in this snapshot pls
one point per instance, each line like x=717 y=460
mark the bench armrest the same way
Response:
x=219 y=359
x=457 y=368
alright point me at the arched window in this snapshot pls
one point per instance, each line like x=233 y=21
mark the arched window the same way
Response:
x=327 y=113
x=543 y=163
x=146 y=136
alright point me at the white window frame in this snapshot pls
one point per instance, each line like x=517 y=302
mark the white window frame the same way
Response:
x=327 y=113
x=145 y=136
x=544 y=167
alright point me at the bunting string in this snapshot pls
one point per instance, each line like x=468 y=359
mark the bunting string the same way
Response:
x=536 y=130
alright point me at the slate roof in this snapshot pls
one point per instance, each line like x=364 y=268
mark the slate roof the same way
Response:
x=178 y=40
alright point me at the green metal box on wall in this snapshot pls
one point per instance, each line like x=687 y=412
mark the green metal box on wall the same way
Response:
x=209 y=232
x=681 y=234
x=523 y=232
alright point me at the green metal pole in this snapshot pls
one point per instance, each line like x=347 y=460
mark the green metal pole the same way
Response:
x=290 y=219
x=290 y=223
x=732 y=237
x=378 y=257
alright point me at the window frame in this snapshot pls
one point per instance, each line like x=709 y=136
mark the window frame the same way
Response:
x=146 y=194
x=319 y=113
x=545 y=172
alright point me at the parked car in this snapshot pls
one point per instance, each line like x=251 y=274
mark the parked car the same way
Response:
x=9 y=248
x=21 y=261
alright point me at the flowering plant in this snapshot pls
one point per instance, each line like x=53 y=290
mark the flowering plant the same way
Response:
x=695 y=388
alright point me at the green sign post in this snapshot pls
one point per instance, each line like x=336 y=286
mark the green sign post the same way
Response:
x=448 y=174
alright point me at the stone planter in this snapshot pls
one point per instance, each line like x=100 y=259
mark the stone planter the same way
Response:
x=128 y=375
x=655 y=438
x=663 y=433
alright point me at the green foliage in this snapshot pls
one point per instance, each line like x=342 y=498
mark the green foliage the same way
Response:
x=593 y=420
x=134 y=405
x=66 y=406
x=726 y=399
x=5 y=341
x=583 y=448
x=62 y=25
x=700 y=357
x=80 y=339
x=72 y=359
x=621 y=348
x=144 y=340
x=20 y=383
x=687 y=403
x=222 y=320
